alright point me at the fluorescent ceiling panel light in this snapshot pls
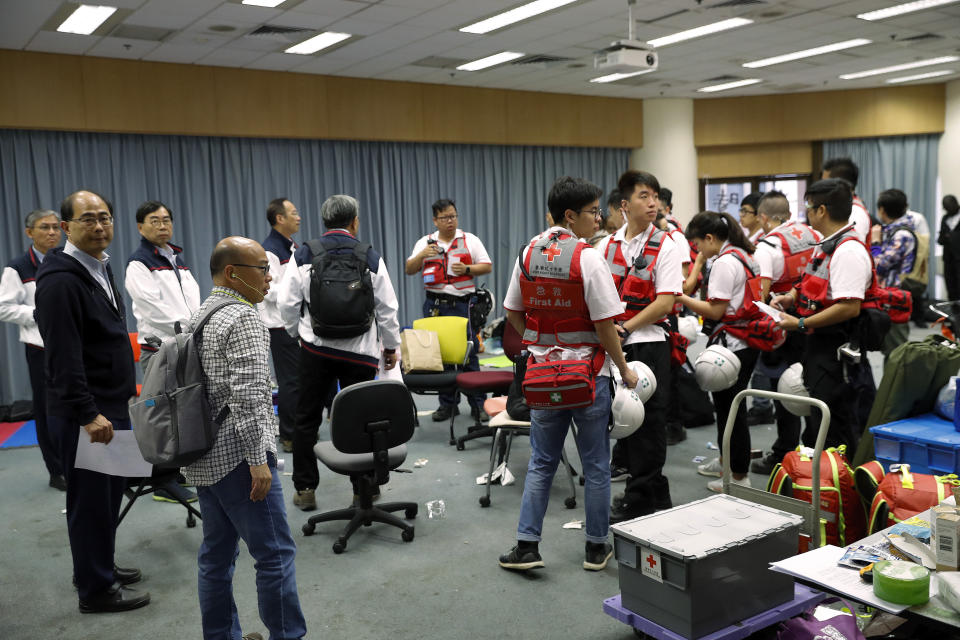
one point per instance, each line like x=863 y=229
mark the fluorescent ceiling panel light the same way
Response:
x=699 y=32
x=729 y=85
x=264 y=3
x=316 y=43
x=490 y=61
x=514 y=15
x=807 y=53
x=86 y=19
x=921 y=76
x=899 y=67
x=900 y=9
x=613 y=77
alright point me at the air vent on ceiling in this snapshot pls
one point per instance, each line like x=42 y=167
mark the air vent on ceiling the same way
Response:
x=137 y=32
x=921 y=37
x=735 y=3
x=540 y=59
x=439 y=62
x=273 y=31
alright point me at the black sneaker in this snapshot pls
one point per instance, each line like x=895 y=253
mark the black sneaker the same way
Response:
x=676 y=433
x=764 y=466
x=478 y=415
x=445 y=412
x=759 y=416
x=173 y=492
x=618 y=474
x=522 y=558
x=58 y=482
x=596 y=556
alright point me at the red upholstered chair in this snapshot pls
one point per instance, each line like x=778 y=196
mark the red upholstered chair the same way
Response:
x=135 y=345
x=495 y=382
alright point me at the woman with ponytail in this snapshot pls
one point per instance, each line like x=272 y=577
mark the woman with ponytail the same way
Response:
x=720 y=237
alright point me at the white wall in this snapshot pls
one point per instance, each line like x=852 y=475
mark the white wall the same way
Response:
x=949 y=161
x=668 y=151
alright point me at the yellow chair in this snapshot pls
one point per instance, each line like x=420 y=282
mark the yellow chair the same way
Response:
x=454 y=351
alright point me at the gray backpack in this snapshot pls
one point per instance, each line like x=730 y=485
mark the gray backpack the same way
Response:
x=171 y=419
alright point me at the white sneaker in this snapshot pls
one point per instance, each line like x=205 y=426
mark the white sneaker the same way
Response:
x=717 y=485
x=712 y=468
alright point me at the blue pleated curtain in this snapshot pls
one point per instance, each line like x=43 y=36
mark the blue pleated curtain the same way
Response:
x=220 y=186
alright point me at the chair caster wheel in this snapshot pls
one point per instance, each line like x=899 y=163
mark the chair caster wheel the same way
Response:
x=191 y=521
x=453 y=441
x=583 y=481
x=410 y=514
x=307 y=529
x=460 y=446
x=339 y=546
x=407 y=535
x=484 y=501
x=570 y=503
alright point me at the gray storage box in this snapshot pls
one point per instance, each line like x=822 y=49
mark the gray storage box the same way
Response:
x=700 y=567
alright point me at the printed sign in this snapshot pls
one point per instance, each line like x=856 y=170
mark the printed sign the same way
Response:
x=649 y=562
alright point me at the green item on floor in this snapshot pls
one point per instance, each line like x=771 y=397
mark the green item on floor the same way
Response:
x=499 y=362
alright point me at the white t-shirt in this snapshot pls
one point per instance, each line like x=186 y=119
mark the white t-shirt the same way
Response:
x=728 y=281
x=600 y=294
x=683 y=246
x=756 y=235
x=919 y=223
x=667 y=273
x=851 y=270
x=478 y=255
x=860 y=219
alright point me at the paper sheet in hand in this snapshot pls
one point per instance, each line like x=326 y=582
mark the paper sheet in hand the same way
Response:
x=121 y=457
x=820 y=566
x=776 y=314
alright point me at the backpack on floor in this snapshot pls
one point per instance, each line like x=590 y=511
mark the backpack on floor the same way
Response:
x=341 y=291
x=839 y=503
x=172 y=420
x=903 y=494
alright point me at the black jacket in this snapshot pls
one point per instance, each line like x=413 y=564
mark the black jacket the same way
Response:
x=89 y=361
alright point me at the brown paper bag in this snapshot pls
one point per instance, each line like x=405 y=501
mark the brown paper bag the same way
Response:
x=420 y=351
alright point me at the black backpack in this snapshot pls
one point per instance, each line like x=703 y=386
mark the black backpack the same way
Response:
x=341 y=291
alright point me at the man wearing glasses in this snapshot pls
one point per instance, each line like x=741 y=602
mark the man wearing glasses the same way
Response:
x=449 y=260
x=164 y=292
x=90 y=380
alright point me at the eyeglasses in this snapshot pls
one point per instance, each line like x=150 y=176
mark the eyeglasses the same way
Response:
x=160 y=222
x=744 y=211
x=92 y=221
x=264 y=269
x=446 y=218
x=596 y=212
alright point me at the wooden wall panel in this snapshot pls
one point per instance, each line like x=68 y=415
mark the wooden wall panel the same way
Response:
x=825 y=115
x=42 y=91
x=464 y=114
x=754 y=160
x=254 y=103
x=362 y=109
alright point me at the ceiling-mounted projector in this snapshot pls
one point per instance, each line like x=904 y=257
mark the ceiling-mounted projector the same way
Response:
x=626 y=56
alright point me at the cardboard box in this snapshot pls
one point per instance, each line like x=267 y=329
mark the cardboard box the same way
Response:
x=946 y=545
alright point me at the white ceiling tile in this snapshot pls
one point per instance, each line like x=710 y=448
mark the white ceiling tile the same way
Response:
x=122 y=48
x=229 y=57
x=303 y=20
x=179 y=52
x=332 y=8
x=230 y=13
x=358 y=27
x=171 y=14
x=21 y=22
x=55 y=42
x=391 y=14
x=276 y=62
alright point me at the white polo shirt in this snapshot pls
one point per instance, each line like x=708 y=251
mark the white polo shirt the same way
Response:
x=860 y=219
x=667 y=273
x=478 y=255
x=603 y=301
x=851 y=270
x=728 y=282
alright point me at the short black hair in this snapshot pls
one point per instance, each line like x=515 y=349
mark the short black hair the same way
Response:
x=666 y=196
x=843 y=168
x=571 y=193
x=442 y=204
x=720 y=225
x=776 y=205
x=613 y=200
x=66 y=206
x=630 y=179
x=894 y=203
x=950 y=204
x=835 y=194
x=751 y=199
x=149 y=207
x=274 y=209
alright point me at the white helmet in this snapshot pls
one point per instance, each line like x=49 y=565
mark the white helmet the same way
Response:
x=646 y=381
x=628 y=412
x=689 y=327
x=791 y=382
x=716 y=368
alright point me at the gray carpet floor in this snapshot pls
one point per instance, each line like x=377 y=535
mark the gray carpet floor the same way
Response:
x=444 y=584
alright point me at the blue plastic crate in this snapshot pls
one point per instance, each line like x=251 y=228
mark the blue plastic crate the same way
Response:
x=928 y=443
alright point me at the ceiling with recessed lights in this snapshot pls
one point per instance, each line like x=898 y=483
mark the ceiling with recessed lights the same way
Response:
x=421 y=41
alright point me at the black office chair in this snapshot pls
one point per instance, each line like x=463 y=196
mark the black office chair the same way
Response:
x=161 y=478
x=371 y=423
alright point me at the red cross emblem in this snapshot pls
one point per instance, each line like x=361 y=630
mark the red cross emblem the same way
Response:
x=651 y=561
x=552 y=250
x=797 y=233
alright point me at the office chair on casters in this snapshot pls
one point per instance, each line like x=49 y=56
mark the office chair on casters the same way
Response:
x=454 y=350
x=372 y=421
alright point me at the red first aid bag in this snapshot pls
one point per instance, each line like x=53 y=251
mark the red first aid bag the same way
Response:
x=561 y=384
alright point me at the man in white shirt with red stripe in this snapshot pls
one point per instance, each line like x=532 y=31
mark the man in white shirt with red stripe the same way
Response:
x=449 y=260
x=846 y=169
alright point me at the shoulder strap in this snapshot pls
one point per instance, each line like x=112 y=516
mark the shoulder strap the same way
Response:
x=316 y=248
x=360 y=250
x=735 y=252
x=216 y=306
x=523 y=268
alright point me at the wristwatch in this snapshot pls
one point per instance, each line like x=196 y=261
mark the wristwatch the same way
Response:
x=801 y=327
x=468 y=269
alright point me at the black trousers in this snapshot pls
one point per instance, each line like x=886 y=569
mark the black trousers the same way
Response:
x=445 y=307
x=788 y=424
x=723 y=402
x=317 y=375
x=38 y=383
x=93 y=506
x=285 y=351
x=648 y=489
x=951 y=274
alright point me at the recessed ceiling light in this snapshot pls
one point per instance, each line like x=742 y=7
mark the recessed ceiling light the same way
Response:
x=729 y=85
x=613 y=77
x=921 y=76
x=490 y=61
x=86 y=19
x=316 y=43
x=901 y=9
x=807 y=53
x=899 y=67
x=263 y=3
x=699 y=32
x=514 y=15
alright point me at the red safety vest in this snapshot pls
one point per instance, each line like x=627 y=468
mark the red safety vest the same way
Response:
x=435 y=269
x=748 y=323
x=635 y=282
x=552 y=288
x=797 y=242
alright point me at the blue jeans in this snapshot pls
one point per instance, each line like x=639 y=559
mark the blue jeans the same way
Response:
x=548 y=431
x=228 y=516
